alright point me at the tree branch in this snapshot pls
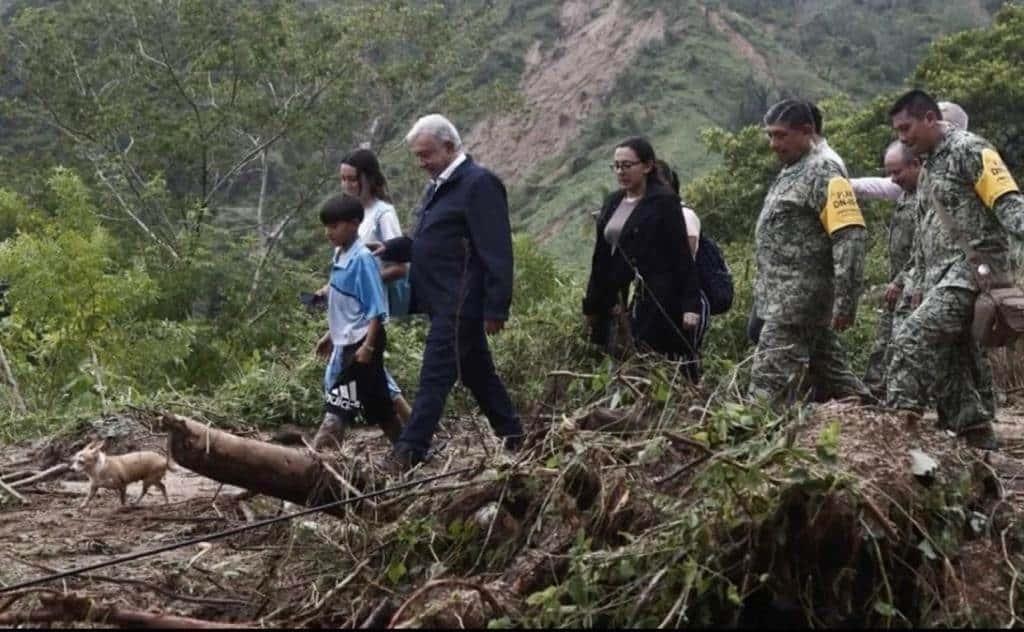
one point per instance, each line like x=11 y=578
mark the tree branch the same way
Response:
x=8 y=376
x=72 y=608
x=127 y=209
x=272 y=242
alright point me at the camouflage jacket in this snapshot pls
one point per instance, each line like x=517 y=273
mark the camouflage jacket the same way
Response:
x=810 y=243
x=902 y=226
x=971 y=182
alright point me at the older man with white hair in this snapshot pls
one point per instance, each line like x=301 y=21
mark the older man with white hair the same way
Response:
x=461 y=277
x=872 y=188
x=903 y=168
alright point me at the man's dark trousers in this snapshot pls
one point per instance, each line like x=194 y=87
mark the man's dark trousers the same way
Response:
x=447 y=358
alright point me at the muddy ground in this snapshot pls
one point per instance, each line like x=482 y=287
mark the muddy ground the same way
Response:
x=272 y=575
x=267 y=575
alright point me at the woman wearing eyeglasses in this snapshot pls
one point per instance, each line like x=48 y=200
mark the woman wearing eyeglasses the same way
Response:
x=641 y=243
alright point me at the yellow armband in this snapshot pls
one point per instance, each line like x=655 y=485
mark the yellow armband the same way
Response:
x=841 y=208
x=995 y=178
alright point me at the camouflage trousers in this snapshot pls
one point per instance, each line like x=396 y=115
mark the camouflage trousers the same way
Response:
x=933 y=355
x=796 y=362
x=881 y=353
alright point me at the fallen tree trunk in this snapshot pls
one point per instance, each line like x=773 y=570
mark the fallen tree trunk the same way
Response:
x=264 y=468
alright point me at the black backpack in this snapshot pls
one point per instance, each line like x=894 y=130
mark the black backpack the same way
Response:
x=715 y=278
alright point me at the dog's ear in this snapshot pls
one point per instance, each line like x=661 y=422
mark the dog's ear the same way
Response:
x=101 y=444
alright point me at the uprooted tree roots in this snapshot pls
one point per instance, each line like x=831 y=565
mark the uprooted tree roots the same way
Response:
x=664 y=510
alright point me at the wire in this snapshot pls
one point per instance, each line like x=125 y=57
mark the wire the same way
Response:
x=223 y=534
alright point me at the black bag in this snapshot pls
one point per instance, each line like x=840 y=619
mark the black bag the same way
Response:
x=715 y=278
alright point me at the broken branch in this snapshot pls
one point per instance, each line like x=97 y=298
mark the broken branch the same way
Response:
x=45 y=475
x=72 y=608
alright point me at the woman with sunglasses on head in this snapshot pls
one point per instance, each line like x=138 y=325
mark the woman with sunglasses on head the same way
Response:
x=641 y=242
x=362 y=178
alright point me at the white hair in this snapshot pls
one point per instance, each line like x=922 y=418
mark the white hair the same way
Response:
x=437 y=126
x=905 y=154
x=954 y=114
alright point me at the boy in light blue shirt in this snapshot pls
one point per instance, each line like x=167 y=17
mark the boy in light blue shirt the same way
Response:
x=354 y=343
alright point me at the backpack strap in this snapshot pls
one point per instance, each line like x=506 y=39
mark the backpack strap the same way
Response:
x=975 y=260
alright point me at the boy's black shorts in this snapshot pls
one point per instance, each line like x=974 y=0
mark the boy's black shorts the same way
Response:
x=361 y=387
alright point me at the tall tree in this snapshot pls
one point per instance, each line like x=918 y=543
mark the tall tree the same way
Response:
x=181 y=110
x=981 y=70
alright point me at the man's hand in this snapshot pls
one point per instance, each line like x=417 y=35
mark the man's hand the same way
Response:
x=691 y=320
x=364 y=354
x=322 y=291
x=893 y=292
x=842 y=323
x=323 y=347
x=493 y=326
x=375 y=247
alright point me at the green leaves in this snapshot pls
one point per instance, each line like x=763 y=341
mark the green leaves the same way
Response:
x=395 y=571
x=828 y=443
x=980 y=70
x=190 y=94
x=76 y=299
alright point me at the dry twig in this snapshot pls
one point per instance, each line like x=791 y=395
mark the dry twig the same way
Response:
x=7 y=488
x=45 y=475
x=437 y=583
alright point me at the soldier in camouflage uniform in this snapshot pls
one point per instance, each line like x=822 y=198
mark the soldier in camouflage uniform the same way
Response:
x=933 y=349
x=902 y=167
x=810 y=245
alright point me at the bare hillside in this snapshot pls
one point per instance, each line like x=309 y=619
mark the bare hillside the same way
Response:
x=564 y=84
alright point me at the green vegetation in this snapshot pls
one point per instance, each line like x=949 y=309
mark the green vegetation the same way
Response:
x=697 y=78
x=178 y=281
x=154 y=262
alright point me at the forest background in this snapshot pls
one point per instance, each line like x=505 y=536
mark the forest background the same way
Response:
x=161 y=164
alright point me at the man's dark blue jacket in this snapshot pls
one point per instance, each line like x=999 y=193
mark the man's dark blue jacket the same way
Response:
x=461 y=252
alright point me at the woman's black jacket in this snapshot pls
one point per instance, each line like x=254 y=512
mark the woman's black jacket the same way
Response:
x=654 y=241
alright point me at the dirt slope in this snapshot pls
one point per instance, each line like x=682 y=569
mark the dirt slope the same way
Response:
x=740 y=44
x=563 y=86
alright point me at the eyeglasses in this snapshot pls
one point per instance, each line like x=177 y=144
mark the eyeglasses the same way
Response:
x=622 y=166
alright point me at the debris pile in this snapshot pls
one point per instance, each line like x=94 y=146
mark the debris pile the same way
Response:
x=636 y=501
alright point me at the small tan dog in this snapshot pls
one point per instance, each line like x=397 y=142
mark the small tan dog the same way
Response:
x=117 y=472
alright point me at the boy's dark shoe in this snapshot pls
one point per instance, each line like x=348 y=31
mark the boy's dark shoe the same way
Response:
x=331 y=434
x=392 y=428
x=289 y=435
